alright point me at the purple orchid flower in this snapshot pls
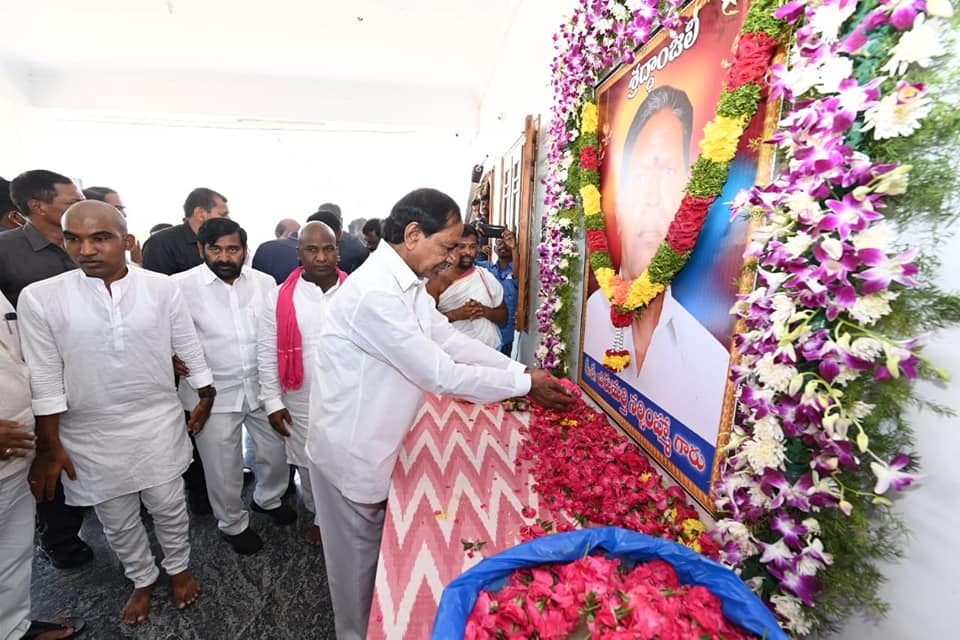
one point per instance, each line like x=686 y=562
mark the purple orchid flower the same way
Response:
x=890 y=475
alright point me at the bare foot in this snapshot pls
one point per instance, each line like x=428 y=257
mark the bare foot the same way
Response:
x=313 y=536
x=137 y=609
x=186 y=590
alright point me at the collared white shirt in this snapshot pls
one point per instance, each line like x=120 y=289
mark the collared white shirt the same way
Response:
x=14 y=383
x=382 y=347
x=225 y=317
x=309 y=301
x=102 y=360
x=685 y=369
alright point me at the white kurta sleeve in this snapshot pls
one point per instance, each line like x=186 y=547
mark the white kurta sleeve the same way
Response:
x=378 y=328
x=186 y=345
x=270 y=392
x=42 y=355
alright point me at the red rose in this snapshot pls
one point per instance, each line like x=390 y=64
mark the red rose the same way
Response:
x=685 y=228
x=752 y=60
x=588 y=158
x=620 y=318
x=597 y=240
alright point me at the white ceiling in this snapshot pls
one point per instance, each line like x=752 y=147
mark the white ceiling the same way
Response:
x=442 y=46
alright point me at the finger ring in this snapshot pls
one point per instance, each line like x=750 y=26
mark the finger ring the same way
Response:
x=7 y=451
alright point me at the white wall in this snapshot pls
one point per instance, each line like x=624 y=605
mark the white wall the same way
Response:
x=924 y=588
x=265 y=174
x=13 y=115
x=520 y=86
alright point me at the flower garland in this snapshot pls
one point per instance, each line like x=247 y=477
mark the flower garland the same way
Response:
x=830 y=343
x=598 y=35
x=721 y=136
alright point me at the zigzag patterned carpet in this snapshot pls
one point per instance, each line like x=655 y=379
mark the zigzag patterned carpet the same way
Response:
x=455 y=480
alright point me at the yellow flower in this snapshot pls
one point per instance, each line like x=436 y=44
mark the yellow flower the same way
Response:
x=617 y=362
x=692 y=528
x=642 y=291
x=605 y=277
x=591 y=199
x=721 y=137
x=588 y=118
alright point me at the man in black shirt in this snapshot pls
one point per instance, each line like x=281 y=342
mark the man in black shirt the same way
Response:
x=31 y=253
x=352 y=249
x=175 y=249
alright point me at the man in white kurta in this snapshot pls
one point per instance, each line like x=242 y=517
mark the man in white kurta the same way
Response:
x=99 y=342
x=306 y=293
x=382 y=347
x=470 y=297
x=225 y=298
x=17 y=506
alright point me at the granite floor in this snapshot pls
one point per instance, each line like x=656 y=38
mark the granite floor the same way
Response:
x=279 y=593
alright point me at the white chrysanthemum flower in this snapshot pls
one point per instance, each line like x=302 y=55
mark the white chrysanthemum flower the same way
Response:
x=783 y=310
x=768 y=428
x=828 y=19
x=920 y=45
x=763 y=453
x=758 y=497
x=618 y=10
x=833 y=71
x=866 y=348
x=773 y=375
x=869 y=309
x=860 y=410
x=798 y=244
x=791 y=610
x=898 y=114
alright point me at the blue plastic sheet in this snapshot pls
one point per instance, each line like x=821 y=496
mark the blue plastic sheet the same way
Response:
x=740 y=605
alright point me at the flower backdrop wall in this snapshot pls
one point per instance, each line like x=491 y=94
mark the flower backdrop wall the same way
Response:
x=844 y=295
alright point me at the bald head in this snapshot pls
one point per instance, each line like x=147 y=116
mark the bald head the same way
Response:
x=286 y=228
x=315 y=233
x=95 y=236
x=101 y=214
x=317 y=250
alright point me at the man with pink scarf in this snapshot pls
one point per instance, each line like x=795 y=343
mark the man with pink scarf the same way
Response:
x=289 y=327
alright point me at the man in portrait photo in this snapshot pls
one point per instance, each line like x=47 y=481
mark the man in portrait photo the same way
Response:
x=674 y=360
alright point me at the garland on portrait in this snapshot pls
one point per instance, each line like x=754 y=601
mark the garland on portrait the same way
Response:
x=739 y=100
x=831 y=342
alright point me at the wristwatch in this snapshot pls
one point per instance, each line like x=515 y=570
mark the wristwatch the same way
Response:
x=207 y=392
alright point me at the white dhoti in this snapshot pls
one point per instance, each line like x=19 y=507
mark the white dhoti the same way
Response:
x=297 y=402
x=18 y=508
x=351 y=548
x=220 y=444
x=124 y=530
x=480 y=285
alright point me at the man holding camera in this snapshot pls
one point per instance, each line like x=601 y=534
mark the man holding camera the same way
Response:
x=471 y=298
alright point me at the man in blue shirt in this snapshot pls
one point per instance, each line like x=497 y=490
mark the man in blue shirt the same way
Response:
x=279 y=257
x=502 y=269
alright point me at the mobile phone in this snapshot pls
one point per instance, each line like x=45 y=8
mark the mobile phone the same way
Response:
x=492 y=230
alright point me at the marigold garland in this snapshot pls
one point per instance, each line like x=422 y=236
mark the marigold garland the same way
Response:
x=721 y=138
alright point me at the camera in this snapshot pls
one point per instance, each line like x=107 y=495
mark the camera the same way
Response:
x=490 y=230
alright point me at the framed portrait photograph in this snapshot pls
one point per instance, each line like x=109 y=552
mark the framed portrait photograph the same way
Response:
x=673 y=398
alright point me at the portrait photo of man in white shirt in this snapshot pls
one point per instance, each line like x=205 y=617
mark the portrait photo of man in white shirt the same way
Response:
x=674 y=360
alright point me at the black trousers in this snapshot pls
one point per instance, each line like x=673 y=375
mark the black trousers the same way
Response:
x=57 y=521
